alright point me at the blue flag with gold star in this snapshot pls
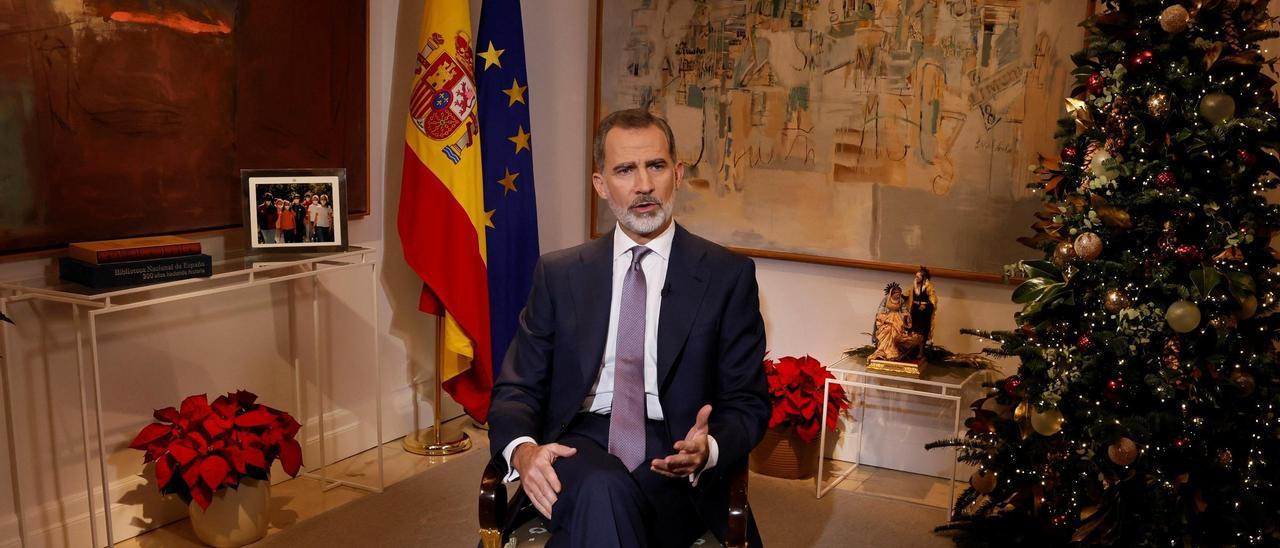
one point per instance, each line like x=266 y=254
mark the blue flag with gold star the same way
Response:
x=512 y=233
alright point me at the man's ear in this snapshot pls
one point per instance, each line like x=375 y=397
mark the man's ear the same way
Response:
x=679 y=174
x=597 y=182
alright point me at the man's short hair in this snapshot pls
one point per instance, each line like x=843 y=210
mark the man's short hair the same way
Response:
x=629 y=119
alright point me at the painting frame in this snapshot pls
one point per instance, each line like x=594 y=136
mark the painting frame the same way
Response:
x=595 y=203
x=293 y=186
x=207 y=196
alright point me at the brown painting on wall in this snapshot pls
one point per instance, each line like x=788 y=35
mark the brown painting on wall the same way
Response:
x=123 y=118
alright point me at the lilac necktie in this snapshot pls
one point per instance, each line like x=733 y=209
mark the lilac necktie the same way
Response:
x=626 y=419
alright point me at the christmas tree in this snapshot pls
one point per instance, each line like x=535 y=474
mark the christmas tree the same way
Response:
x=1144 y=408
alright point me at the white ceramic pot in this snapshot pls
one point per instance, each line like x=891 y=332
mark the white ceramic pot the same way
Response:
x=236 y=517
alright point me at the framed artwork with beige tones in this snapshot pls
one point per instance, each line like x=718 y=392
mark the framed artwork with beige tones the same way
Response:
x=881 y=134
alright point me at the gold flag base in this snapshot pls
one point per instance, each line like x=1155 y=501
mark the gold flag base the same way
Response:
x=905 y=369
x=426 y=442
x=432 y=441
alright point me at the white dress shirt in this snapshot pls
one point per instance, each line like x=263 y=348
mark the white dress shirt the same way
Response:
x=600 y=398
x=654 y=264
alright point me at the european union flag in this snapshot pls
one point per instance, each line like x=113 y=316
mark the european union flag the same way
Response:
x=512 y=237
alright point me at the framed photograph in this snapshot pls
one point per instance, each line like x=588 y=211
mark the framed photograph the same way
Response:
x=851 y=133
x=296 y=210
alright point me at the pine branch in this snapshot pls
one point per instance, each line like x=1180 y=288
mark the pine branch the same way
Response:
x=966 y=443
x=967 y=497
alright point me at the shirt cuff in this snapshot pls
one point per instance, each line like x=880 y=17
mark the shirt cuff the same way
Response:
x=713 y=454
x=512 y=473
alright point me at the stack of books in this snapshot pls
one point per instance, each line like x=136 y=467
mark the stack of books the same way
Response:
x=134 y=261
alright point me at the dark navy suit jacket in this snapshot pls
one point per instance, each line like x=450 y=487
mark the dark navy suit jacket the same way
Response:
x=710 y=347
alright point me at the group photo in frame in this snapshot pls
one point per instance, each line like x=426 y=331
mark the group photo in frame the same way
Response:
x=298 y=210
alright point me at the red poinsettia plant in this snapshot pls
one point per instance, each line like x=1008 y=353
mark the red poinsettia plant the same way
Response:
x=795 y=388
x=200 y=447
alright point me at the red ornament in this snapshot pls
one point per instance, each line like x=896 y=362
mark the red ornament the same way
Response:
x=1181 y=442
x=1247 y=158
x=1059 y=520
x=1096 y=83
x=1166 y=180
x=1115 y=390
x=1084 y=343
x=1070 y=154
x=1012 y=384
x=1188 y=254
x=1140 y=60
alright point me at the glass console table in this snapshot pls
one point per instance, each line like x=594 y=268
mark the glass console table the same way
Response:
x=233 y=272
x=938 y=383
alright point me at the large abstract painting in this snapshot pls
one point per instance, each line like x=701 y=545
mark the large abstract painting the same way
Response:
x=130 y=117
x=875 y=133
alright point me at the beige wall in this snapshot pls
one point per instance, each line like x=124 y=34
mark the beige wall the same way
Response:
x=152 y=358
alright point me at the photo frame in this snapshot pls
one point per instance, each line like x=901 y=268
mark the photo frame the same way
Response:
x=806 y=137
x=295 y=210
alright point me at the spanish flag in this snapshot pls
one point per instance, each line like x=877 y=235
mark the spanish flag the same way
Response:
x=442 y=219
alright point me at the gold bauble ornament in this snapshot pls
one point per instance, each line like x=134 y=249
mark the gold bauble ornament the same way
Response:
x=1097 y=168
x=1116 y=301
x=1088 y=246
x=1225 y=458
x=1123 y=452
x=1047 y=422
x=1183 y=316
x=983 y=481
x=1218 y=107
x=1159 y=104
x=1175 y=19
x=1063 y=254
x=1248 y=307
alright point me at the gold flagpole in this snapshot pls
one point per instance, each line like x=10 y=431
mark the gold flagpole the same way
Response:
x=428 y=441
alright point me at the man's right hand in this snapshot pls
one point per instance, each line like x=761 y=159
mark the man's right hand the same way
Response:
x=537 y=477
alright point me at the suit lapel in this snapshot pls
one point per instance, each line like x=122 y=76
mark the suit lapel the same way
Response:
x=686 y=283
x=591 y=287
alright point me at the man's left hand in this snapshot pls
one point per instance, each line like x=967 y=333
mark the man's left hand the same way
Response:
x=692 y=450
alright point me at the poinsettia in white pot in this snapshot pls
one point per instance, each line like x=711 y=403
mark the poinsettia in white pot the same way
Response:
x=217 y=458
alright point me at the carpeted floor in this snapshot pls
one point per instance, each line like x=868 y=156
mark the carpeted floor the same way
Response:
x=438 y=509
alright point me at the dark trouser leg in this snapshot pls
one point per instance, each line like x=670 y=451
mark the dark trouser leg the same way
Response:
x=658 y=512
x=674 y=521
x=599 y=505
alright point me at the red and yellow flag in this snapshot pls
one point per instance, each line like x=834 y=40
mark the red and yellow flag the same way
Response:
x=441 y=220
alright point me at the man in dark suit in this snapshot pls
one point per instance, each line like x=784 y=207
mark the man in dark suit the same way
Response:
x=635 y=379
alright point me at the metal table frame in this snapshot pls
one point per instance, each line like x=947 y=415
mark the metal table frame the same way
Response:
x=102 y=303
x=949 y=392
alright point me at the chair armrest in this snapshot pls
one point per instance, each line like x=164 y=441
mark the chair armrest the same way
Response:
x=739 y=508
x=493 y=506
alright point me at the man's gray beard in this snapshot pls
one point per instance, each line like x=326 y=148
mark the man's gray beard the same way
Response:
x=642 y=224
